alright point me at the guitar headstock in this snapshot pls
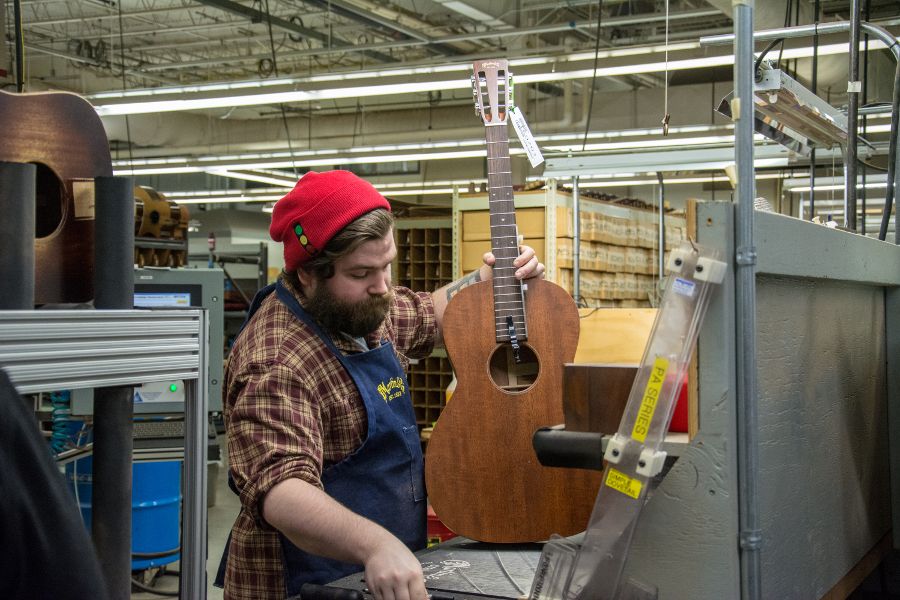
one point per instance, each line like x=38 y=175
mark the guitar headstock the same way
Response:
x=492 y=88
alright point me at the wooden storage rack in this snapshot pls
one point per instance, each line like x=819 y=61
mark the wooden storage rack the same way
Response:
x=425 y=263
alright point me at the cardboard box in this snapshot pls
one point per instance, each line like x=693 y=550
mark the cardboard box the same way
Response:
x=471 y=253
x=476 y=224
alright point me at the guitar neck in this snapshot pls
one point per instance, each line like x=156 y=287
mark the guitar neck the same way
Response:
x=509 y=300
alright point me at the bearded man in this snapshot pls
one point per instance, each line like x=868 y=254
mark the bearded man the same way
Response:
x=323 y=445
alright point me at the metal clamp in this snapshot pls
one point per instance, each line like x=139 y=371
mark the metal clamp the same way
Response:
x=650 y=462
x=745 y=255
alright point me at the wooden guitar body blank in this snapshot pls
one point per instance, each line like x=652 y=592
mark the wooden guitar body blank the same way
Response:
x=62 y=134
x=483 y=478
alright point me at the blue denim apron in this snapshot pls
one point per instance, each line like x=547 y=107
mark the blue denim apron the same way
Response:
x=383 y=480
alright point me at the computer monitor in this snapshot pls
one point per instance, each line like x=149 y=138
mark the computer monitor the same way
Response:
x=175 y=288
x=176 y=298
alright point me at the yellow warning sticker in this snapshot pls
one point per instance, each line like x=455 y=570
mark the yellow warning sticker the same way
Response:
x=650 y=399
x=623 y=483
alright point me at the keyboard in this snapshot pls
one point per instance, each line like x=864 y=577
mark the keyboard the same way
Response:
x=158 y=429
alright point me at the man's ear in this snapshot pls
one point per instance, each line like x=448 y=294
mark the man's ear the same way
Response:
x=305 y=277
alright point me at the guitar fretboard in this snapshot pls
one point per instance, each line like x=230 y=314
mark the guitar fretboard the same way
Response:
x=509 y=300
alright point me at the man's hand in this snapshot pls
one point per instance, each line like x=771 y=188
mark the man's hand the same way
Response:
x=527 y=264
x=318 y=524
x=393 y=572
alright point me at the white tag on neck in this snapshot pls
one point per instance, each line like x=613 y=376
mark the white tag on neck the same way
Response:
x=525 y=137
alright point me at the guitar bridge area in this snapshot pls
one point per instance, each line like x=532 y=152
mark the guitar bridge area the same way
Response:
x=509 y=375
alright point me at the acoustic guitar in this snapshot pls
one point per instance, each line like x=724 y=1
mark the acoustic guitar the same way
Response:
x=62 y=134
x=507 y=341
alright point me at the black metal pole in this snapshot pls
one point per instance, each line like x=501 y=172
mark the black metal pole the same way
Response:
x=815 y=86
x=20 y=46
x=865 y=129
x=113 y=407
x=852 y=118
x=17 y=197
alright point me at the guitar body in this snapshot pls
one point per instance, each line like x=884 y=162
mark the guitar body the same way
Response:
x=62 y=134
x=483 y=478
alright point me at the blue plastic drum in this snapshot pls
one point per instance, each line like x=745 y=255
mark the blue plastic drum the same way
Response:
x=155 y=508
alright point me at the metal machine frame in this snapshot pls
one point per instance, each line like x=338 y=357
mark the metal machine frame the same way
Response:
x=48 y=350
x=829 y=394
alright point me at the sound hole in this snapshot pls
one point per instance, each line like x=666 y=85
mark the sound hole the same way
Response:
x=512 y=376
x=49 y=202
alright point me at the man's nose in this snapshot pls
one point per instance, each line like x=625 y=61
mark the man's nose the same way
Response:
x=379 y=286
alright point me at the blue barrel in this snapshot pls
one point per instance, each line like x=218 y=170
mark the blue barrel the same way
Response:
x=155 y=508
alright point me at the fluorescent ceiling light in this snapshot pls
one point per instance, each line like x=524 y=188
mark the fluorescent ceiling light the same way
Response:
x=707 y=159
x=385 y=73
x=583 y=183
x=658 y=143
x=250 y=176
x=467 y=10
x=336 y=153
x=382 y=89
x=136 y=108
x=418 y=192
x=229 y=199
x=175 y=195
x=823 y=184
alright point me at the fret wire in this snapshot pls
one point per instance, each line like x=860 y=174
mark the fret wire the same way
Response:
x=508 y=298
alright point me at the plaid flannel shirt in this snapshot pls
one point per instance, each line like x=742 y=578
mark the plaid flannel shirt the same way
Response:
x=292 y=410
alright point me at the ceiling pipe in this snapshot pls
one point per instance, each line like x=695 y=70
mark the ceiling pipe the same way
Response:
x=257 y=15
x=468 y=37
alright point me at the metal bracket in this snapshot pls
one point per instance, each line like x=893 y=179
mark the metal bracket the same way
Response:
x=677 y=259
x=615 y=449
x=650 y=462
x=709 y=269
x=745 y=255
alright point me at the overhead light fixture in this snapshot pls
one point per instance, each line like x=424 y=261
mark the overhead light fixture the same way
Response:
x=274 y=194
x=630 y=181
x=827 y=184
x=205 y=88
x=456 y=83
x=788 y=113
x=708 y=159
x=229 y=199
x=249 y=175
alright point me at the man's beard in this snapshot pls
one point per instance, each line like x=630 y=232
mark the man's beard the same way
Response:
x=356 y=318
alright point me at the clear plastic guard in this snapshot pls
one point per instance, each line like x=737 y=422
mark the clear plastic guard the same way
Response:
x=552 y=572
x=633 y=456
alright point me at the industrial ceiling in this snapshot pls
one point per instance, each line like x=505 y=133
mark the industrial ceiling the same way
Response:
x=381 y=85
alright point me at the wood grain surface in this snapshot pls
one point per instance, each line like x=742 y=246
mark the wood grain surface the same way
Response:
x=484 y=480
x=62 y=134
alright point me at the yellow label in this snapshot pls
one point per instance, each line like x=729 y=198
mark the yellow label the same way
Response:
x=650 y=399
x=623 y=483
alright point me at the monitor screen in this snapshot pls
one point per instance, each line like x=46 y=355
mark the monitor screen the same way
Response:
x=166 y=295
x=162 y=299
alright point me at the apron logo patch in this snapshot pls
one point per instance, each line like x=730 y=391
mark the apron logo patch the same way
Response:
x=391 y=390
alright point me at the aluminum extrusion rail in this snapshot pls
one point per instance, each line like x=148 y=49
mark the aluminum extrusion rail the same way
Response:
x=48 y=350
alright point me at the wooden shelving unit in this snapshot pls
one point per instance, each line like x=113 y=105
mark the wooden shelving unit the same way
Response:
x=425 y=263
x=618 y=249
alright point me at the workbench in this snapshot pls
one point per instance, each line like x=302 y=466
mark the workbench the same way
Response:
x=465 y=570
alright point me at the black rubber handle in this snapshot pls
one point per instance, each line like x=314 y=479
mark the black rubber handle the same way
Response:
x=572 y=449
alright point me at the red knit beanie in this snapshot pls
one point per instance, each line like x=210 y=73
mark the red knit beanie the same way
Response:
x=319 y=206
